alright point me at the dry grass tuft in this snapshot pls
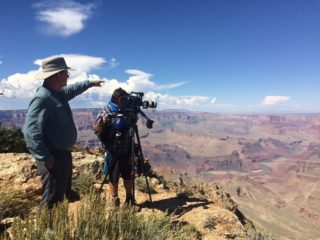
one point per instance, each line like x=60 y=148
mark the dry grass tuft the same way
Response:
x=84 y=181
x=14 y=203
x=93 y=221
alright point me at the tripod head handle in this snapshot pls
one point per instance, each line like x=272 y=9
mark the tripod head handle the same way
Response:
x=149 y=122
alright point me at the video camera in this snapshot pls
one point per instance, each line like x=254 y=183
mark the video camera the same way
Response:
x=133 y=106
x=134 y=101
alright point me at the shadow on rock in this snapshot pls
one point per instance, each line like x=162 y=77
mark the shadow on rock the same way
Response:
x=177 y=205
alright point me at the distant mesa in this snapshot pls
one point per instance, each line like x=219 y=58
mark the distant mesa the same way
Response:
x=265 y=149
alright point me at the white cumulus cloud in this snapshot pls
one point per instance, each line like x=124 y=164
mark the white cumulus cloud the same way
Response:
x=271 y=100
x=23 y=85
x=167 y=101
x=63 y=18
x=20 y=87
x=139 y=80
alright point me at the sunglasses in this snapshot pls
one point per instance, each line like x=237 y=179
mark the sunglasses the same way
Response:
x=67 y=72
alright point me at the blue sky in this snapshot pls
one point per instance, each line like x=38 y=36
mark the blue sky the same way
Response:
x=206 y=55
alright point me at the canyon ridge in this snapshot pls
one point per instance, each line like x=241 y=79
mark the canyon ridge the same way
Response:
x=269 y=164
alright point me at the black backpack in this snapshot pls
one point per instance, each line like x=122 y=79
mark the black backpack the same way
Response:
x=104 y=131
x=108 y=135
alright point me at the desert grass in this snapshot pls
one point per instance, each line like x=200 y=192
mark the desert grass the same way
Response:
x=83 y=182
x=94 y=221
x=14 y=203
x=259 y=235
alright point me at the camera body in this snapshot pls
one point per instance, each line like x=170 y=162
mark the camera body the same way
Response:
x=133 y=106
x=135 y=101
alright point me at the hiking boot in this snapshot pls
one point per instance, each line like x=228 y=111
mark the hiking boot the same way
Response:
x=73 y=196
x=115 y=202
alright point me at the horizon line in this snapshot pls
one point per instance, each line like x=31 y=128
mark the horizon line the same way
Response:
x=195 y=111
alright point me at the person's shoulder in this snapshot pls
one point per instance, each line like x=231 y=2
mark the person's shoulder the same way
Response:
x=42 y=92
x=41 y=97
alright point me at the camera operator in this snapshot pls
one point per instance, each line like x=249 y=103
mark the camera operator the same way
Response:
x=112 y=127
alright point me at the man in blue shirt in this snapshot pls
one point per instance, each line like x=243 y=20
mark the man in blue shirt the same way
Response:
x=49 y=129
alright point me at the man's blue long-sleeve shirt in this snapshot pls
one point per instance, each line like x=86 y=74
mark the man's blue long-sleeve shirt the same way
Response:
x=49 y=123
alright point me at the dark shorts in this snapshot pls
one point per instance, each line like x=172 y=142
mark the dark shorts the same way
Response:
x=120 y=167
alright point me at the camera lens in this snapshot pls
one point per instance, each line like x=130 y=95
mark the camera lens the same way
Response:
x=149 y=104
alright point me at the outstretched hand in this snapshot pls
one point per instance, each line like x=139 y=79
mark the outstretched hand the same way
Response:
x=97 y=83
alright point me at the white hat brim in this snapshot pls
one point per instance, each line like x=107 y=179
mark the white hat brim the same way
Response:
x=43 y=75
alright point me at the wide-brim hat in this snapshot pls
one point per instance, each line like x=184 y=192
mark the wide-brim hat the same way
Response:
x=51 y=66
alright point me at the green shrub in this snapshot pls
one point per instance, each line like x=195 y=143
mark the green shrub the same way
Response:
x=12 y=140
x=210 y=222
x=184 y=192
x=141 y=185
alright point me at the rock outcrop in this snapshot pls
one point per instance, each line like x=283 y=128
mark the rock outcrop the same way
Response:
x=211 y=210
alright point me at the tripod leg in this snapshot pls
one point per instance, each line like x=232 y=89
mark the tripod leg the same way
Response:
x=148 y=189
x=141 y=160
x=103 y=182
x=131 y=132
x=133 y=188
